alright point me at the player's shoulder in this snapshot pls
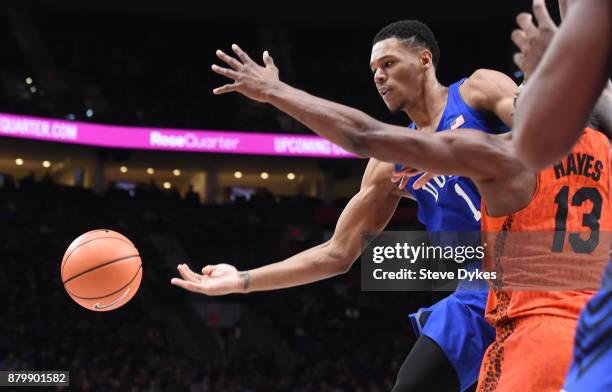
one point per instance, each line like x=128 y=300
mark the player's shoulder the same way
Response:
x=483 y=77
x=486 y=84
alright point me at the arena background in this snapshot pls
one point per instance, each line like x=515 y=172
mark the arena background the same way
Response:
x=147 y=63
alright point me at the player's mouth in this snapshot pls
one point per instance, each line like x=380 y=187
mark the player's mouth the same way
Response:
x=384 y=92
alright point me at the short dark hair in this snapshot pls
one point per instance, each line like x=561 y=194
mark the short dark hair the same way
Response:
x=414 y=31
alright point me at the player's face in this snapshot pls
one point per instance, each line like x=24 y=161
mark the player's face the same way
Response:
x=397 y=72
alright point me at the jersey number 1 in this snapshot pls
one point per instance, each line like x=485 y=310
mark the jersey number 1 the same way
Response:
x=467 y=199
x=590 y=220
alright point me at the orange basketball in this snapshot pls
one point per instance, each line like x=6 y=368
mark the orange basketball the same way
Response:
x=101 y=270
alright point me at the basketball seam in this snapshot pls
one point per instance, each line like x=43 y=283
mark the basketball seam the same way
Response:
x=65 y=261
x=114 y=292
x=93 y=239
x=99 y=266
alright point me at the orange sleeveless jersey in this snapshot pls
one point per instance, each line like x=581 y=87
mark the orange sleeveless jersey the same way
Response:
x=571 y=196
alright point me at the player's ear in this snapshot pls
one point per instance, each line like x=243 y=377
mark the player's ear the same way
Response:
x=425 y=58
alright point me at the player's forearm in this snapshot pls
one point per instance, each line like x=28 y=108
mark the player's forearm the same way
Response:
x=354 y=130
x=306 y=267
x=360 y=134
x=338 y=123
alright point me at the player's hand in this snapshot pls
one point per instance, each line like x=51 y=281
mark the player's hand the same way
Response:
x=401 y=177
x=219 y=279
x=250 y=79
x=424 y=179
x=532 y=40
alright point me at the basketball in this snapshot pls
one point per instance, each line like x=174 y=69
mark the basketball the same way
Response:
x=101 y=270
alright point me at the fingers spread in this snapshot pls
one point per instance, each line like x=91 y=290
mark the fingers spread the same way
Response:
x=541 y=13
x=229 y=60
x=228 y=88
x=520 y=39
x=228 y=73
x=519 y=60
x=525 y=22
x=242 y=54
x=268 y=60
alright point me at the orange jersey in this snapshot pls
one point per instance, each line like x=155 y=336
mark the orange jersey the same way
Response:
x=571 y=212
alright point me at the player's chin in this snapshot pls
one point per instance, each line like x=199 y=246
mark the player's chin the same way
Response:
x=393 y=106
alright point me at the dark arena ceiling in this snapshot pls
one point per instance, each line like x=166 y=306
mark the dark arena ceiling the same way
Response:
x=314 y=11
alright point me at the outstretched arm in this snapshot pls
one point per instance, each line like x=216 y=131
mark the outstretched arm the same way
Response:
x=460 y=152
x=368 y=211
x=338 y=123
x=556 y=103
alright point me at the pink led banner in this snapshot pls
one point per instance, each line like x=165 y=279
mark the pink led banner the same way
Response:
x=52 y=130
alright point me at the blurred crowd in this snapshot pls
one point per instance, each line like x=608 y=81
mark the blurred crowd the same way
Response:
x=336 y=337
x=153 y=71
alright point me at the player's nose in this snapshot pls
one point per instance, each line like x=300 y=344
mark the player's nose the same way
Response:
x=379 y=77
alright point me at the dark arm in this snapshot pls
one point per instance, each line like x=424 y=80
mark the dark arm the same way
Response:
x=459 y=152
x=556 y=103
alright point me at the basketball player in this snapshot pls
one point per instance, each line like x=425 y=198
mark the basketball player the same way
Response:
x=548 y=319
x=590 y=368
x=451 y=344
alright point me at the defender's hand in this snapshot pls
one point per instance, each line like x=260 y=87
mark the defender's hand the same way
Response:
x=532 y=41
x=250 y=79
x=219 y=279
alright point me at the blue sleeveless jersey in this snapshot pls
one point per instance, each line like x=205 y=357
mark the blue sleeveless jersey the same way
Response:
x=452 y=203
x=449 y=206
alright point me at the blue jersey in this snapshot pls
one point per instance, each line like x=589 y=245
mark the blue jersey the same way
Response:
x=452 y=203
x=449 y=206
